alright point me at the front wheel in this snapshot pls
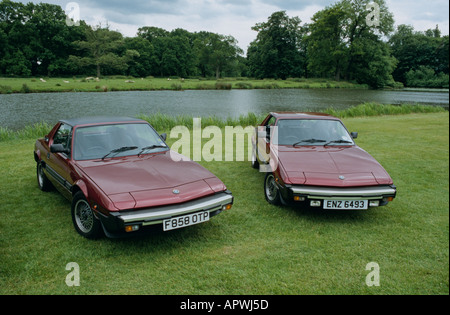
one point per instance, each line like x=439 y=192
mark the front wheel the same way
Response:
x=271 y=190
x=84 y=220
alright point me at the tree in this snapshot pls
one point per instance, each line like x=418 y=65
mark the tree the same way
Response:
x=358 y=31
x=142 y=65
x=342 y=43
x=216 y=53
x=173 y=54
x=104 y=49
x=183 y=53
x=419 y=52
x=277 y=50
x=36 y=39
x=327 y=51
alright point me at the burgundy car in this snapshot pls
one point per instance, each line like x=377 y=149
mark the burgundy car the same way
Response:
x=121 y=176
x=311 y=159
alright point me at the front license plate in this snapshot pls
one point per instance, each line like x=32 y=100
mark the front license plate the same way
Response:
x=185 y=220
x=346 y=204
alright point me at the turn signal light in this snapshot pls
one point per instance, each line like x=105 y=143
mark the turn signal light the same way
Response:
x=131 y=228
x=227 y=207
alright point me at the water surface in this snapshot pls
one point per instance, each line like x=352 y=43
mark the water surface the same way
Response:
x=19 y=110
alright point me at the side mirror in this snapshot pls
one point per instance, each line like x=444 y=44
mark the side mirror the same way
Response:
x=164 y=136
x=354 y=135
x=58 y=148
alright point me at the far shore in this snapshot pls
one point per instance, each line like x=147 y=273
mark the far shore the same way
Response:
x=123 y=83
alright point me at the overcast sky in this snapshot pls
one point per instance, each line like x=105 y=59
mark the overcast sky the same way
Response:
x=235 y=17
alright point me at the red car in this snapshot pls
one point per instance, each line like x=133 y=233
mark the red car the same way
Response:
x=121 y=176
x=311 y=159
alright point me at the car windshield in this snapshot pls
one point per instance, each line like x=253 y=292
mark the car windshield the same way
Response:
x=301 y=132
x=108 y=141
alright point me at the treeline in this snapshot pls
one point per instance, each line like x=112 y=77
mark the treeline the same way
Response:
x=341 y=43
x=35 y=40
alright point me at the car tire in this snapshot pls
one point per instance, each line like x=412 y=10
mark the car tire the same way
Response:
x=271 y=191
x=84 y=220
x=43 y=182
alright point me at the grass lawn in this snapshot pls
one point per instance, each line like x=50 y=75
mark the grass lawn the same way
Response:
x=254 y=248
x=120 y=83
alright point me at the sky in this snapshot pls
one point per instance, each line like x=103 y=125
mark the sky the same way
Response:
x=233 y=17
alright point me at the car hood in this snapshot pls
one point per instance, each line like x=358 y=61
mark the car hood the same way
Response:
x=151 y=180
x=343 y=166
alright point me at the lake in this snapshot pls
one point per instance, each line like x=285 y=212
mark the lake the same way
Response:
x=19 y=110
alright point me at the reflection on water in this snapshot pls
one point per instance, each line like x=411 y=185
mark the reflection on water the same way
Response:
x=18 y=110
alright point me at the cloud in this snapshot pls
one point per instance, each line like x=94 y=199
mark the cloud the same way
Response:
x=297 y=5
x=422 y=15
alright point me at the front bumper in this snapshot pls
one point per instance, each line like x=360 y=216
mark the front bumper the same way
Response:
x=116 y=222
x=376 y=195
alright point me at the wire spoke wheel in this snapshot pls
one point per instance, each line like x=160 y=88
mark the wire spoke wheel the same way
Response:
x=84 y=216
x=271 y=189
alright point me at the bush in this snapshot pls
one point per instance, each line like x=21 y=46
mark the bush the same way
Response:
x=5 y=89
x=25 y=89
x=244 y=85
x=427 y=78
x=176 y=86
x=223 y=86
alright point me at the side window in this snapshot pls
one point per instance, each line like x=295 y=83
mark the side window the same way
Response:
x=63 y=136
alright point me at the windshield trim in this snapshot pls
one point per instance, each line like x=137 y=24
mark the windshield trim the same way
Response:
x=345 y=140
x=126 y=153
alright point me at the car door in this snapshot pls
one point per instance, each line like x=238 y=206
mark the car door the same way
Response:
x=57 y=164
x=263 y=142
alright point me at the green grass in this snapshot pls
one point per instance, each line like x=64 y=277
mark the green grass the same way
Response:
x=254 y=248
x=121 y=83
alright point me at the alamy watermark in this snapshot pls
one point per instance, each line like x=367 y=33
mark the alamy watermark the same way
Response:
x=373 y=277
x=72 y=14
x=230 y=144
x=73 y=278
x=373 y=18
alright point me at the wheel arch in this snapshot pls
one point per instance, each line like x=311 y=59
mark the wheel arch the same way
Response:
x=80 y=185
x=37 y=156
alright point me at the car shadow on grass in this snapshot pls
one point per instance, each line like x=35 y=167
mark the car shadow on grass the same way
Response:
x=333 y=216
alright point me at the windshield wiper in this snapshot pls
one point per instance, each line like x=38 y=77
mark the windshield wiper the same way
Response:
x=154 y=146
x=337 y=141
x=308 y=141
x=119 y=150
